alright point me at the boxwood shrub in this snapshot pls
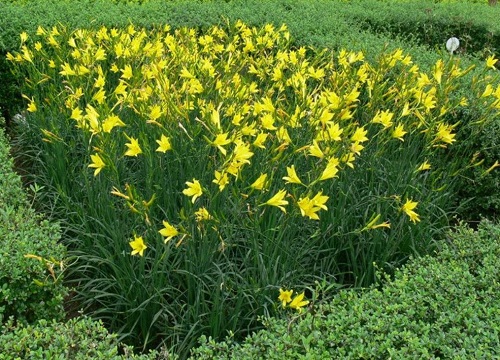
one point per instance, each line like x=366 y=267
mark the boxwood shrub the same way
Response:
x=431 y=23
x=446 y=306
x=76 y=339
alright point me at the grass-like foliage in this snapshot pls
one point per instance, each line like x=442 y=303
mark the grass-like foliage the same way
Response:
x=444 y=307
x=31 y=264
x=199 y=173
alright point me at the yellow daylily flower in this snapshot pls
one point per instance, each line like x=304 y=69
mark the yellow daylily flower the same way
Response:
x=76 y=114
x=138 y=246
x=277 y=200
x=438 y=71
x=384 y=118
x=267 y=122
x=260 y=139
x=67 y=70
x=356 y=148
x=331 y=169
x=292 y=177
x=408 y=208
x=315 y=150
x=202 y=214
x=215 y=118
x=348 y=159
x=444 y=134
x=425 y=166
x=399 y=132
x=359 y=135
x=260 y=182
x=32 y=106
x=242 y=153
x=319 y=200
x=109 y=123
x=220 y=141
x=488 y=90
x=155 y=112
x=168 y=231
x=194 y=189
x=334 y=132
x=285 y=296
x=221 y=179
x=97 y=163
x=406 y=110
x=133 y=147
x=100 y=81
x=283 y=136
x=491 y=61
x=164 y=144
x=298 y=303
x=127 y=72
x=310 y=207
x=40 y=31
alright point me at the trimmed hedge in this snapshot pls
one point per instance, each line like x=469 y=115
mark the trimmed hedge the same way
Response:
x=447 y=306
x=30 y=287
x=77 y=339
x=431 y=23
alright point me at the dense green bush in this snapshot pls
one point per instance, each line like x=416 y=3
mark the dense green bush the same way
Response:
x=30 y=287
x=430 y=23
x=446 y=306
x=77 y=339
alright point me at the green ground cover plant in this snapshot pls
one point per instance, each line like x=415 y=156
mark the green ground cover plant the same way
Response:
x=445 y=306
x=76 y=339
x=200 y=172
